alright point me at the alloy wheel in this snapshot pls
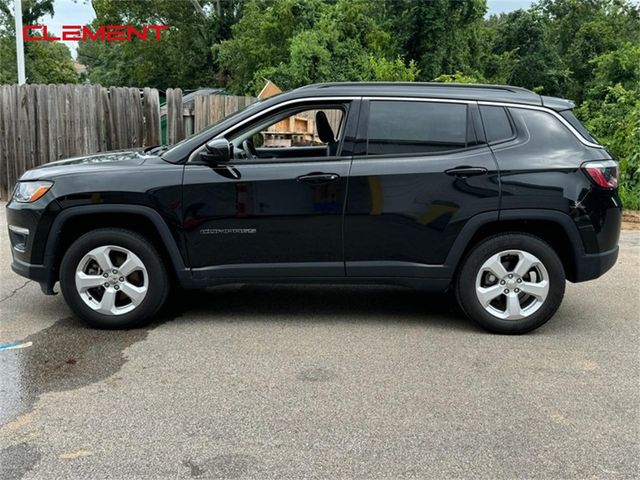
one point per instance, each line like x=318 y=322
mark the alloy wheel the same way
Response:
x=512 y=284
x=111 y=280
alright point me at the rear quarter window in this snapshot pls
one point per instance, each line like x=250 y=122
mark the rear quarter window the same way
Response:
x=543 y=129
x=569 y=116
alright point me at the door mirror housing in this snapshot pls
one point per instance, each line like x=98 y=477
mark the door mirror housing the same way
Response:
x=217 y=151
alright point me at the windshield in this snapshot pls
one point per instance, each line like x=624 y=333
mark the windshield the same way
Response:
x=205 y=132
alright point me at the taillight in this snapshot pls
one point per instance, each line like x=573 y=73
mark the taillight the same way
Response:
x=604 y=173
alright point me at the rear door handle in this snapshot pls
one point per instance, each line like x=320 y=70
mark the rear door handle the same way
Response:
x=466 y=171
x=317 y=178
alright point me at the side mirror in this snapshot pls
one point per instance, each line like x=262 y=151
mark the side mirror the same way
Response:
x=217 y=151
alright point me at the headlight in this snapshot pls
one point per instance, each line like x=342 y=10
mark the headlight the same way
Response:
x=28 y=192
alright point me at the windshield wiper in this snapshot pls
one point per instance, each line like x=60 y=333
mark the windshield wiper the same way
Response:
x=156 y=149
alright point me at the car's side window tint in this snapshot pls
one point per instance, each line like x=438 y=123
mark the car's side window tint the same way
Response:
x=544 y=132
x=497 y=124
x=313 y=132
x=397 y=127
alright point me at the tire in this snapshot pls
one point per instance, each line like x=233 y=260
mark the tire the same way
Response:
x=121 y=299
x=530 y=302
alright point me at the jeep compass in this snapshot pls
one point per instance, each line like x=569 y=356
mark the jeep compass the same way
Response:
x=493 y=192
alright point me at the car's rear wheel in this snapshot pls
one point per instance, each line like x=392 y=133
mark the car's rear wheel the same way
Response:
x=113 y=278
x=511 y=283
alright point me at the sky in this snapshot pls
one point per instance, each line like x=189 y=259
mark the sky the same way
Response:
x=80 y=12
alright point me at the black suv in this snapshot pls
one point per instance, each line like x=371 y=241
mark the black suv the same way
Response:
x=494 y=192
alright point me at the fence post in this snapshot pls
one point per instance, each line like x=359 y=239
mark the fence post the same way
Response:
x=151 y=114
x=175 y=126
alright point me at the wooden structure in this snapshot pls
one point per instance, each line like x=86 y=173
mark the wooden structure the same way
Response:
x=44 y=123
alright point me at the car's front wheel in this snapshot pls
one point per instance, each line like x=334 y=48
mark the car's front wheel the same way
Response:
x=511 y=283
x=113 y=278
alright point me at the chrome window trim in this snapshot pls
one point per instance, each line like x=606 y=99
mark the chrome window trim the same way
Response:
x=493 y=103
x=410 y=99
x=546 y=110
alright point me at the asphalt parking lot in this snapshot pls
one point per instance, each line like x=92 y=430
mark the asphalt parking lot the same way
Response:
x=322 y=382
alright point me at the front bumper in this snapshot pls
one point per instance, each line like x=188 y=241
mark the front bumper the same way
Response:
x=38 y=273
x=594 y=265
x=29 y=225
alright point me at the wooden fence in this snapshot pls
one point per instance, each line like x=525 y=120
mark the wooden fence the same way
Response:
x=208 y=109
x=45 y=123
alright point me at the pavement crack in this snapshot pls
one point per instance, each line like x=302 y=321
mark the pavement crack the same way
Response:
x=15 y=290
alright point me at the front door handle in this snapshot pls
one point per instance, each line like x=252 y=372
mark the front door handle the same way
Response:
x=466 y=171
x=317 y=178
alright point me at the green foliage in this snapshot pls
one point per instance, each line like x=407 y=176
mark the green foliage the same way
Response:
x=523 y=53
x=612 y=113
x=459 y=77
x=442 y=36
x=45 y=62
x=183 y=58
x=382 y=69
x=32 y=12
x=296 y=42
x=262 y=40
x=581 y=30
x=49 y=63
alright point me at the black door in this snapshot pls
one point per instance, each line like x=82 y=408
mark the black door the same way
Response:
x=277 y=208
x=423 y=173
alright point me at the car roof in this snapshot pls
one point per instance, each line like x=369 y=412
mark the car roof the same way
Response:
x=458 y=91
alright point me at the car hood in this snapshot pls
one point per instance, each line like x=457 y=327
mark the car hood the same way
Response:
x=121 y=159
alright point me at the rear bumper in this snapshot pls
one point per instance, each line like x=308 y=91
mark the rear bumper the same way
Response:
x=594 y=265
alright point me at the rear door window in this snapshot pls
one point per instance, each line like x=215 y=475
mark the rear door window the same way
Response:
x=406 y=127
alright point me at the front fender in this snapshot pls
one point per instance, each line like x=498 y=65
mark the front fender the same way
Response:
x=68 y=214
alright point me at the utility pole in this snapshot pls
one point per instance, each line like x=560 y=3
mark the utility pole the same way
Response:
x=19 y=42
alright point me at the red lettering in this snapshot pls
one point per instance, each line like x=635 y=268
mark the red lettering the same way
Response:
x=133 y=31
x=115 y=33
x=88 y=34
x=71 y=33
x=25 y=33
x=75 y=33
x=46 y=37
x=158 y=29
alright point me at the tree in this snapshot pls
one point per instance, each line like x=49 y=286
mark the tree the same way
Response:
x=296 y=42
x=32 y=12
x=441 y=36
x=611 y=112
x=182 y=58
x=262 y=39
x=523 y=54
x=382 y=69
x=583 y=30
x=45 y=62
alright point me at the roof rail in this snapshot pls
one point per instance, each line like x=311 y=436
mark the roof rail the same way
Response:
x=507 y=88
